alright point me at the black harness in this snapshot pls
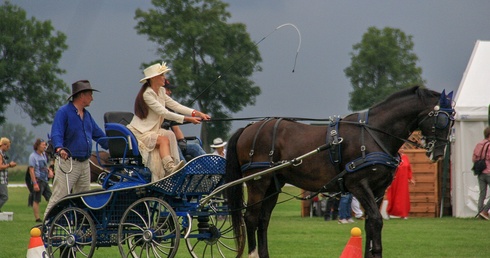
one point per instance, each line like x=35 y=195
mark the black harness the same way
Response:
x=264 y=164
x=443 y=115
x=334 y=140
x=365 y=160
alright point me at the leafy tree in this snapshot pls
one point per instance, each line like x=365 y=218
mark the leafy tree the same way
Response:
x=21 y=142
x=382 y=63
x=29 y=54
x=211 y=59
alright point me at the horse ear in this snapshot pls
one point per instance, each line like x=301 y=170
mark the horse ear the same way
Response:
x=446 y=100
x=49 y=136
x=450 y=96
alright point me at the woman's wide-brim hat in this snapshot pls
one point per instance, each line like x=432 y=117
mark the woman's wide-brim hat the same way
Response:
x=218 y=142
x=154 y=70
x=79 y=86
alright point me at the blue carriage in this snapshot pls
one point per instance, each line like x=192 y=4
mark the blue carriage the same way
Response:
x=143 y=218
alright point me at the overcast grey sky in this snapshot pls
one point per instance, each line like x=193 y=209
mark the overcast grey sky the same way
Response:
x=105 y=48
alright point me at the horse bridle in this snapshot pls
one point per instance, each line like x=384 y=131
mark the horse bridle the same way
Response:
x=442 y=118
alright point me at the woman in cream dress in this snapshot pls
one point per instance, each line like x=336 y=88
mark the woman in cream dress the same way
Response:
x=158 y=146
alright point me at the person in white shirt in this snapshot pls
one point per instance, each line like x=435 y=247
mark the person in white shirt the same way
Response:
x=219 y=147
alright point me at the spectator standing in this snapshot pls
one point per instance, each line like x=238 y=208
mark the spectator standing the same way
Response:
x=398 y=193
x=332 y=207
x=345 y=203
x=4 y=165
x=484 y=177
x=72 y=133
x=40 y=173
x=356 y=208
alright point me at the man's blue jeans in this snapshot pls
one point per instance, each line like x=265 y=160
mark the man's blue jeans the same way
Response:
x=193 y=150
x=345 y=206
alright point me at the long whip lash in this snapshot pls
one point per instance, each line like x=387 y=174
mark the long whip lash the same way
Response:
x=299 y=43
x=258 y=42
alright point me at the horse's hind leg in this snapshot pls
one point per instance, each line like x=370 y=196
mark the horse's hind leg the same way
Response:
x=258 y=215
x=267 y=206
x=254 y=205
x=250 y=218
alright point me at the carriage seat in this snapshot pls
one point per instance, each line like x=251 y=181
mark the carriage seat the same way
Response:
x=123 y=146
x=119 y=117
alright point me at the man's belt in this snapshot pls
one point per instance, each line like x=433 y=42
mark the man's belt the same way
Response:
x=80 y=159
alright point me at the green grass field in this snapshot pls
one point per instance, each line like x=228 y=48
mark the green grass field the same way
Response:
x=293 y=236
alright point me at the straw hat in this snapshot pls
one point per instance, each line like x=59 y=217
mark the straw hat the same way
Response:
x=218 y=142
x=154 y=70
x=79 y=86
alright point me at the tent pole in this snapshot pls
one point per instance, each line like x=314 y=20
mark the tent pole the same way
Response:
x=445 y=172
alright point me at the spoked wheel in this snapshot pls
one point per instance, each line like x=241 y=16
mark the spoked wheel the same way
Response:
x=71 y=234
x=213 y=237
x=149 y=228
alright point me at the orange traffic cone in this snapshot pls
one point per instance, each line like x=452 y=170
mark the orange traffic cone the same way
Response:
x=36 y=247
x=353 y=249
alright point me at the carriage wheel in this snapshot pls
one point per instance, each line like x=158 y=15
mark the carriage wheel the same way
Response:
x=71 y=234
x=215 y=237
x=149 y=228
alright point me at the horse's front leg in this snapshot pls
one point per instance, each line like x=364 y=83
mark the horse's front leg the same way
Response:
x=374 y=225
x=374 y=221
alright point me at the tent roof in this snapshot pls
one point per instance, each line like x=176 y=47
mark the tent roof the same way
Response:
x=473 y=98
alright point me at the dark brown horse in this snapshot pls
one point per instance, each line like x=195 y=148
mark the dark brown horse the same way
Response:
x=97 y=164
x=359 y=156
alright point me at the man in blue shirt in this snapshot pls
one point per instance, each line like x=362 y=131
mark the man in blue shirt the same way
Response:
x=72 y=133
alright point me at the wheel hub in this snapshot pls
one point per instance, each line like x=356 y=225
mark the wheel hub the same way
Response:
x=215 y=235
x=147 y=235
x=70 y=240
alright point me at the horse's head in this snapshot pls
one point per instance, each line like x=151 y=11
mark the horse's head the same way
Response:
x=436 y=126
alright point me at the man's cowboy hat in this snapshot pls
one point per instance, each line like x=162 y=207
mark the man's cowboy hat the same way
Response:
x=154 y=70
x=218 y=142
x=79 y=86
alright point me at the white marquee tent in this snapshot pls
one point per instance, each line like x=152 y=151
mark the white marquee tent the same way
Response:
x=472 y=101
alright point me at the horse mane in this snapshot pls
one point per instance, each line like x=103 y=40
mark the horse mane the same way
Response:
x=421 y=93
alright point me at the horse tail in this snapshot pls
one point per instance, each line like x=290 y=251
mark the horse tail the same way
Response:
x=235 y=193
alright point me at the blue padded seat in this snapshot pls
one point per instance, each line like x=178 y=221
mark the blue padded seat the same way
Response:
x=122 y=142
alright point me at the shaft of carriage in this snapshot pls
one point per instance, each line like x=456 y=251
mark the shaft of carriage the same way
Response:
x=279 y=165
